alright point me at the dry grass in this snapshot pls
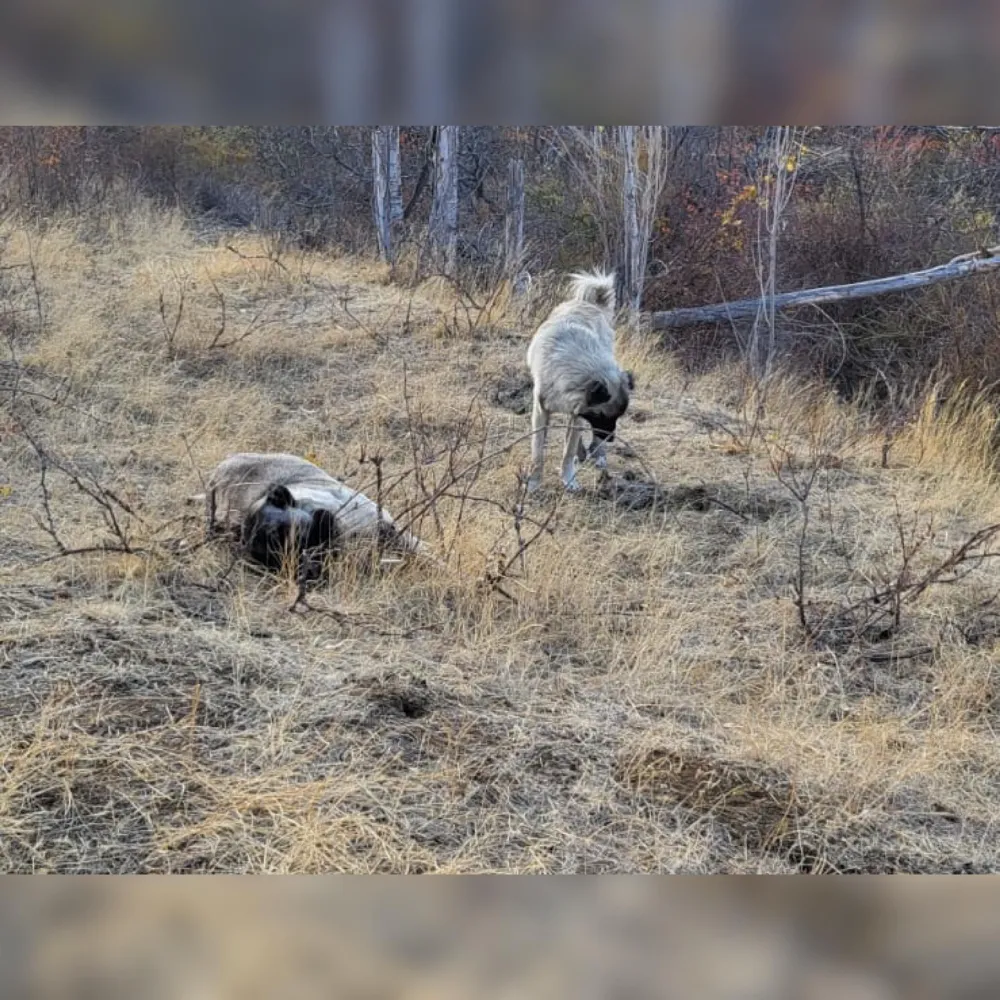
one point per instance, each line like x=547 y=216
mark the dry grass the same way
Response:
x=636 y=694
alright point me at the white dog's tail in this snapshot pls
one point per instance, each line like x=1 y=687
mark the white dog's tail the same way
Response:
x=595 y=287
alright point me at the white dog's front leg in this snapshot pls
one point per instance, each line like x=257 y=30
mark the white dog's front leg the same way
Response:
x=539 y=431
x=573 y=432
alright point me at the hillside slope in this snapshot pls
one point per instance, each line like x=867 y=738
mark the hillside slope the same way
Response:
x=632 y=690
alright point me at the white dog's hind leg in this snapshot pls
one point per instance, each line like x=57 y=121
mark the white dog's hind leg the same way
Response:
x=539 y=432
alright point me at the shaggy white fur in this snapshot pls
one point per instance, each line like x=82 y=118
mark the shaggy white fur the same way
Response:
x=574 y=371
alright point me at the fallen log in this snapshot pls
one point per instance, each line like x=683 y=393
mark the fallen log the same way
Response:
x=963 y=266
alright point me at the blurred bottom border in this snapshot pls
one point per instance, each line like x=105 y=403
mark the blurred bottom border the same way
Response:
x=611 y=936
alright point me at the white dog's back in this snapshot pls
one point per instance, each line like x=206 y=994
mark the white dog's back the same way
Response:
x=576 y=341
x=567 y=351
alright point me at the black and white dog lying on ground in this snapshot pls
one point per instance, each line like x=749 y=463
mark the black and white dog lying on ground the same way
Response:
x=285 y=507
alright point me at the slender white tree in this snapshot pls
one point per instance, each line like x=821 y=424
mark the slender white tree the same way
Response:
x=624 y=172
x=514 y=219
x=645 y=152
x=775 y=187
x=395 y=181
x=380 y=199
x=388 y=192
x=633 y=264
x=444 y=207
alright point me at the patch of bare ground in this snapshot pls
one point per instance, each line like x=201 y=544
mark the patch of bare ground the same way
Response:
x=764 y=641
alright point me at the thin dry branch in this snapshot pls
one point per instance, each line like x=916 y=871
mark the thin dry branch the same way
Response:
x=171 y=325
x=110 y=504
x=271 y=258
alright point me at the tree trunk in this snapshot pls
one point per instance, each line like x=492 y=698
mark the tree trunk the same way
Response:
x=395 y=181
x=388 y=190
x=444 y=208
x=761 y=348
x=381 y=182
x=514 y=219
x=645 y=157
x=963 y=266
x=630 y=279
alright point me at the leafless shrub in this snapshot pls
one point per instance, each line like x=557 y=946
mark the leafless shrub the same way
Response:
x=344 y=300
x=624 y=170
x=499 y=570
x=172 y=324
x=119 y=517
x=471 y=312
x=257 y=322
x=276 y=246
x=220 y=330
x=887 y=590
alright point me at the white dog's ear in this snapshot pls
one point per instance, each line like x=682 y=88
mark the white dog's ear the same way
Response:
x=596 y=393
x=630 y=381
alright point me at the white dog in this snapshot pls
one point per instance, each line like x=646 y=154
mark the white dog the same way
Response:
x=574 y=371
x=282 y=504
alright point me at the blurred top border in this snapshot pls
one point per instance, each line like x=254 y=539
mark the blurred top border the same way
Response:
x=496 y=61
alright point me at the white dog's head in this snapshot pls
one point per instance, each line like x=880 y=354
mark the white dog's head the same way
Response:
x=604 y=404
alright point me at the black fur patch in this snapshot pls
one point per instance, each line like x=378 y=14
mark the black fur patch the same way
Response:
x=596 y=393
x=273 y=532
x=324 y=532
x=630 y=381
x=280 y=497
x=280 y=530
x=602 y=425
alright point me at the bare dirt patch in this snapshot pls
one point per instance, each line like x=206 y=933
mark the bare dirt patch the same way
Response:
x=513 y=391
x=629 y=491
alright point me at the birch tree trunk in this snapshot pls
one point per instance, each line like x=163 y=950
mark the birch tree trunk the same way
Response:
x=630 y=279
x=444 y=207
x=645 y=154
x=381 y=200
x=395 y=182
x=776 y=185
x=388 y=189
x=514 y=219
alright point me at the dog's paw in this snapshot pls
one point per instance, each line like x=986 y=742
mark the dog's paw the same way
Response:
x=572 y=485
x=532 y=486
x=601 y=461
